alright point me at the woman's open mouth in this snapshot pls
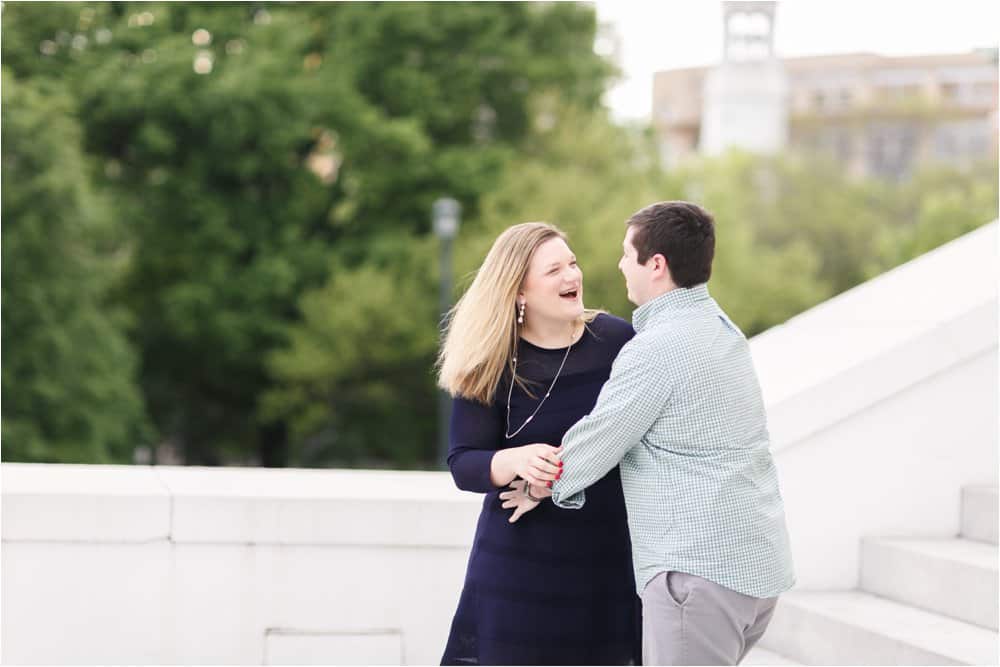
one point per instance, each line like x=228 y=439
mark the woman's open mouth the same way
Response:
x=569 y=295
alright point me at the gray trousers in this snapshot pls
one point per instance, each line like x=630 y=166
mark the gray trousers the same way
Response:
x=687 y=620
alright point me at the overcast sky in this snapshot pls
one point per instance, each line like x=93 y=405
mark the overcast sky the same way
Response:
x=666 y=34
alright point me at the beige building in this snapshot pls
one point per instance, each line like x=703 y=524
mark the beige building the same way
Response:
x=877 y=115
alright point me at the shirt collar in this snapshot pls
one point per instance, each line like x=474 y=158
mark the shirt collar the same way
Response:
x=676 y=299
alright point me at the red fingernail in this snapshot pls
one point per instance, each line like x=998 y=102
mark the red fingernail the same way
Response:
x=559 y=475
x=560 y=464
x=550 y=485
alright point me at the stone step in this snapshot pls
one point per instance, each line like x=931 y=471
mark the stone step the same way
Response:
x=956 y=578
x=979 y=513
x=858 y=628
x=761 y=656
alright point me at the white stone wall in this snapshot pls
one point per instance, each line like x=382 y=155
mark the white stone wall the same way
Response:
x=882 y=403
x=106 y=564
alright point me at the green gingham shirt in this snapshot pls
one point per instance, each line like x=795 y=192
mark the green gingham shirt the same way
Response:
x=682 y=412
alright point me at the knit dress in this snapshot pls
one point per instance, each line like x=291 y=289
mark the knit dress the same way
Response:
x=555 y=588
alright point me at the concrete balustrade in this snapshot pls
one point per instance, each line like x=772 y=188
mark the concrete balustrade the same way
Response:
x=106 y=564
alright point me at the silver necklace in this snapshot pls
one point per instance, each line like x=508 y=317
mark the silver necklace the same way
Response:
x=510 y=392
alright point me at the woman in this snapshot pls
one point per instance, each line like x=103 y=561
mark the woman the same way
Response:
x=557 y=586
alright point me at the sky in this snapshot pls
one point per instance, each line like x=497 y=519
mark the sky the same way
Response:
x=666 y=34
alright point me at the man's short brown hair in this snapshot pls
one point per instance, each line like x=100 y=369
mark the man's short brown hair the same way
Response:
x=684 y=233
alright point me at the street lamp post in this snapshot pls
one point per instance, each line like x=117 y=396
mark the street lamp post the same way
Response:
x=446 y=212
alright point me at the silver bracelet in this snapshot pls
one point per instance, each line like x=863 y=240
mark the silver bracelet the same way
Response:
x=527 y=492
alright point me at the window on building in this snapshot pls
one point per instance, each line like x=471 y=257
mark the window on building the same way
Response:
x=891 y=148
x=950 y=92
x=844 y=147
x=984 y=92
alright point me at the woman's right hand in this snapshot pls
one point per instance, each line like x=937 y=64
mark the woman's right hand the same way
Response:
x=537 y=464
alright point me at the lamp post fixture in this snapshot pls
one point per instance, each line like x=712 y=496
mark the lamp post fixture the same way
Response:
x=446 y=213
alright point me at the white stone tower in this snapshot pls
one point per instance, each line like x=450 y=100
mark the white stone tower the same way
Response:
x=746 y=97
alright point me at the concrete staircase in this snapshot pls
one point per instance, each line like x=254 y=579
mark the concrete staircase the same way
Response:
x=761 y=656
x=921 y=602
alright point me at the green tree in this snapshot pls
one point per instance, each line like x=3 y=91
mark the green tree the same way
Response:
x=936 y=206
x=255 y=151
x=210 y=170
x=355 y=383
x=69 y=377
x=260 y=210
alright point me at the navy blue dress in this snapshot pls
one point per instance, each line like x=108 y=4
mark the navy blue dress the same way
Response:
x=555 y=588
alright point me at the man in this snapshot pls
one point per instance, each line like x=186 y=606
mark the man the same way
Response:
x=683 y=415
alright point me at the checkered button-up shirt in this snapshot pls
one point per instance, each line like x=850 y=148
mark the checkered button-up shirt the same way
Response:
x=682 y=412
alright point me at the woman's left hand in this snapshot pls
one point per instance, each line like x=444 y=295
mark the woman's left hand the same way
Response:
x=518 y=500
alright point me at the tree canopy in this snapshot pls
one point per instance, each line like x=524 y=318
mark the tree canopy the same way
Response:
x=70 y=390
x=217 y=215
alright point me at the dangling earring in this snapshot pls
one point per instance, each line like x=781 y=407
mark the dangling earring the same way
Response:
x=520 y=314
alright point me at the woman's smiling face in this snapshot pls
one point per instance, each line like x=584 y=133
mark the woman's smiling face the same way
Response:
x=553 y=286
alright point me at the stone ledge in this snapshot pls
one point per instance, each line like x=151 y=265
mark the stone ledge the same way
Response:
x=83 y=503
x=865 y=384
x=235 y=505
x=873 y=341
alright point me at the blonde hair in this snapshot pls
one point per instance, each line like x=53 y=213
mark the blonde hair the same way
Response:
x=481 y=334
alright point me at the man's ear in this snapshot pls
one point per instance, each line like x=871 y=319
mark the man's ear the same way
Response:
x=660 y=265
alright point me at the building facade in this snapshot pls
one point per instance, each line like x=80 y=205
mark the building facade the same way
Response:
x=877 y=115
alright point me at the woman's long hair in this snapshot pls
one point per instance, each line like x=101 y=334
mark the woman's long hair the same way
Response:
x=481 y=334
